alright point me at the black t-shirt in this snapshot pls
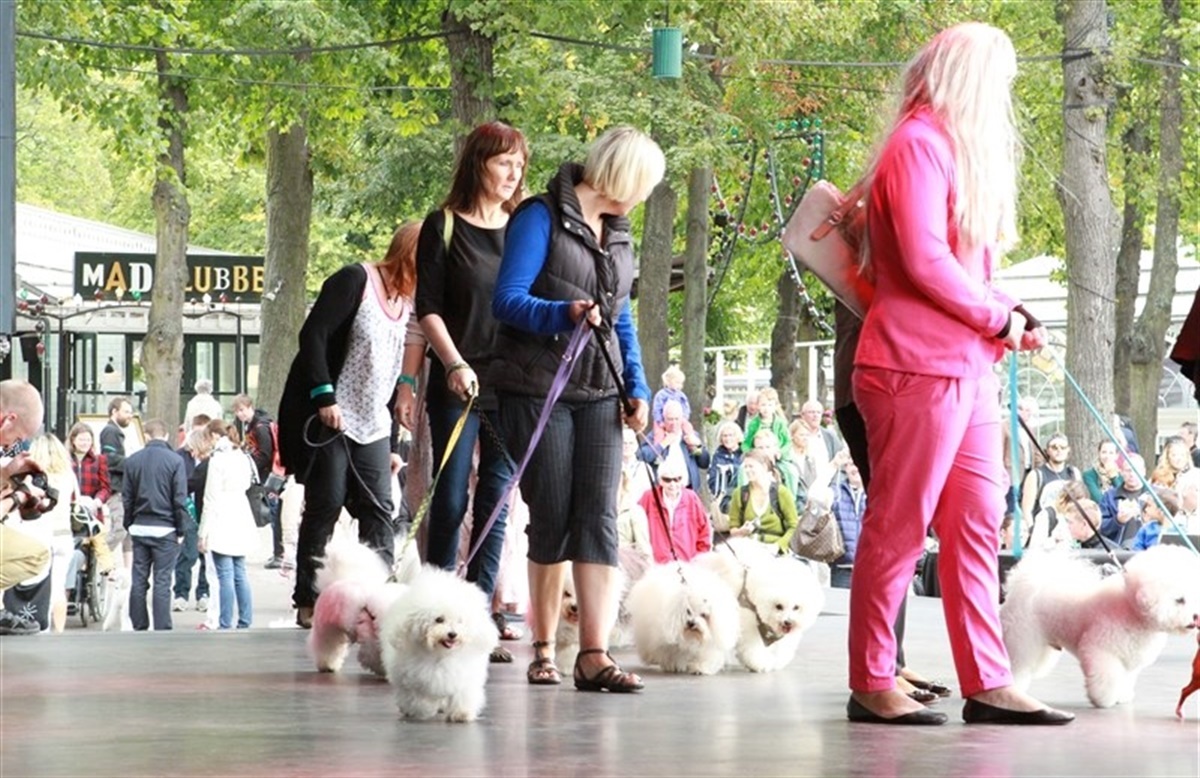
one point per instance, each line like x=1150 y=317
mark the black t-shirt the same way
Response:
x=459 y=286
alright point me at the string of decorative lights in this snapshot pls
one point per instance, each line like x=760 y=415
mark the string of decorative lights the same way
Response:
x=731 y=229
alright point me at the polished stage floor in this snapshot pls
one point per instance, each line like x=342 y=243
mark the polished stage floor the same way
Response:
x=248 y=703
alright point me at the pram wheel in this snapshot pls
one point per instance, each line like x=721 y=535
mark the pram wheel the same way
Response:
x=97 y=593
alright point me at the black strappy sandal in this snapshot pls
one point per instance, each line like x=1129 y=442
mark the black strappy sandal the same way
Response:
x=542 y=670
x=610 y=678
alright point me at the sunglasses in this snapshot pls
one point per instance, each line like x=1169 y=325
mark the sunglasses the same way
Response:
x=670 y=480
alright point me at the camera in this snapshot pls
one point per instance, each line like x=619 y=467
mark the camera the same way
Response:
x=31 y=505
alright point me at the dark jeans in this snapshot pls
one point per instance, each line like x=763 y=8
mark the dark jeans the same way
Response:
x=332 y=484
x=189 y=553
x=152 y=556
x=854 y=432
x=276 y=529
x=449 y=503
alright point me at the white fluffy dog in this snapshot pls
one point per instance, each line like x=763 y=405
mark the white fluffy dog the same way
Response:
x=632 y=565
x=354 y=593
x=779 y=598
x=436 y=639
x=116 y=601
x=1116 y=626
x=685 y=620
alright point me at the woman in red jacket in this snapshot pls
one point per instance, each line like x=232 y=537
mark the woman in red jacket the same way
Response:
x=942 y=198
x=90 y=468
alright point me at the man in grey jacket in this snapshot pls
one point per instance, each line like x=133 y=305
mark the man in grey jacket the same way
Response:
x=155 y=497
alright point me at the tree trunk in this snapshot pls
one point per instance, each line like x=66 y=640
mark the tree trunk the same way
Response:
x=654 y=280
x=807 y=332
x=1129 y=258
x=162 y=347
x=1090 y=219
x=695 y=292
x=289 y=216
x=471 y=76
x=783 y=342
x=1149 y=341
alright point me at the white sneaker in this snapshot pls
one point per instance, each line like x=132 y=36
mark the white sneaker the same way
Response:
x=179 y=604
x=202 y=604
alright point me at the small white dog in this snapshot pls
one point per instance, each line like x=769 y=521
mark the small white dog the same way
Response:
x=116 y=601
x=1116 y=626
x=354 y=593
x=779 y=598
x=685 y=620
x=630 y=568
x=437 y=639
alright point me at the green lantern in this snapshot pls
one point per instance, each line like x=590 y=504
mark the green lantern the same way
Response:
x=668 y=52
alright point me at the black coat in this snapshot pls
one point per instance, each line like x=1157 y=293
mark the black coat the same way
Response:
x=318 y=364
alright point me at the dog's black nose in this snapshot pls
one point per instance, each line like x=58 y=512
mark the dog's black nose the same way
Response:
x=691 y=624
x=452 y=635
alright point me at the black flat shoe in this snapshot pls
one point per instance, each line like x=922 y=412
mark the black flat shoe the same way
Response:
x=918 y=718
x=976 y=712
x=924 y=696
x=940 y=689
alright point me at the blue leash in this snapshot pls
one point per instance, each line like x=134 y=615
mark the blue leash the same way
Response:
x=1120 y=444
x=1014 y=457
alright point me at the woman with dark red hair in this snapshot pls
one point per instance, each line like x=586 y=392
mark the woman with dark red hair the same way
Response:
x=458 y=257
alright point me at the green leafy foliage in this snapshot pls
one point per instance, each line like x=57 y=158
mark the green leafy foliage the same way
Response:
x=379 y=117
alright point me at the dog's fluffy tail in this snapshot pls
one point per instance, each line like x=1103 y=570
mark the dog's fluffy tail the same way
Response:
x=348 y=560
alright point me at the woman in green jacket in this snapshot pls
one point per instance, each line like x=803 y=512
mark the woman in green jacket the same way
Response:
x=763 y=509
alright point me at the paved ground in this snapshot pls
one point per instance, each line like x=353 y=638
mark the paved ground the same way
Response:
x=248 y=703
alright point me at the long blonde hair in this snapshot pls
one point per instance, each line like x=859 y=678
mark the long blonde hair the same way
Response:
x=964 y=76
x=49 y=452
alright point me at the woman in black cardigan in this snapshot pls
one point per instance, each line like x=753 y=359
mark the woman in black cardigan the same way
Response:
x=337 y=433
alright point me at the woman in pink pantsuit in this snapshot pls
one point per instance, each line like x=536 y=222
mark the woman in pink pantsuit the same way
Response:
x=942 y=195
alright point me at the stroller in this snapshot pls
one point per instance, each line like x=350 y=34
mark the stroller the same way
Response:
x=91 y=587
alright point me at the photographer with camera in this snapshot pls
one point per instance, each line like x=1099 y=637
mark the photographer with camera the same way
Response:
x=24 y=494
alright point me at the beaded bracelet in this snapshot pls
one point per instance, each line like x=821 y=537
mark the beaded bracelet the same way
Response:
x=454 y=368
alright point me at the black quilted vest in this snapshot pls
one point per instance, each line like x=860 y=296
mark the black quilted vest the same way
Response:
x=577 y=268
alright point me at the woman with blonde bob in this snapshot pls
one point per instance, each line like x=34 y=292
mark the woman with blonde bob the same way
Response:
x=941 y=201
x=568 y=255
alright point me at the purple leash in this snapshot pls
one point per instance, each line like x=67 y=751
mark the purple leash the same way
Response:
x=574 y=348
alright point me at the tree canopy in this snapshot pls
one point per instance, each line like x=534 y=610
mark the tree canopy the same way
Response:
x=771 y=92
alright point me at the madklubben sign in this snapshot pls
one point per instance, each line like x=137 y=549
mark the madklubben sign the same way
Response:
x=214 y=275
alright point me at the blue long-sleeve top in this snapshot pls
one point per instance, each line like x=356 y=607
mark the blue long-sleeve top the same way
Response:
x=526 y=246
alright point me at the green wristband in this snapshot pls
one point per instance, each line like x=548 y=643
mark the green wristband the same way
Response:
x=408 y=379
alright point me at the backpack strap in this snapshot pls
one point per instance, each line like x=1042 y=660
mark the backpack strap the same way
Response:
x=773 y=493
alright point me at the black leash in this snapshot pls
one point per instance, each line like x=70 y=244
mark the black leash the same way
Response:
x=337 y=435
x=627 y=407
x=1074 y=502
